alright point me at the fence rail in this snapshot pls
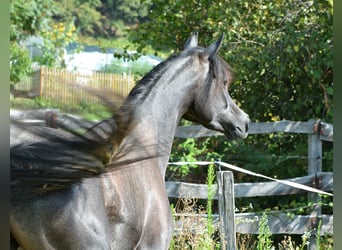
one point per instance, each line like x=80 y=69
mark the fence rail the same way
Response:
x=282 y=223
x=309 y=127
x=279 y=222
x=243 y=190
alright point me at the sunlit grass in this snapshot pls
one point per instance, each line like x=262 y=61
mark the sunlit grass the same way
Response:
x=85 y=110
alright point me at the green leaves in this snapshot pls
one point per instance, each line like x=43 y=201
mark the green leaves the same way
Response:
x=27 y=17
x=282 y=49
x=20 y=63
x=55 y=39
x=265 y=235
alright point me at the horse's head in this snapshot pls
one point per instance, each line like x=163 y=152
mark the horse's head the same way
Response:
x=212 y=105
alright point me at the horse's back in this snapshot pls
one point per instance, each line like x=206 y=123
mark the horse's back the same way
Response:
x=73 y=218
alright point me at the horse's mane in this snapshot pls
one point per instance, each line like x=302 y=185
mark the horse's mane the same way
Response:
x=44 y=159
x=53 y=159
x=218 y=68
x=142 y=88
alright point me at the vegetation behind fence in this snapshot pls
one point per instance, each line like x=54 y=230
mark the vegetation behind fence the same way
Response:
x=279 y=222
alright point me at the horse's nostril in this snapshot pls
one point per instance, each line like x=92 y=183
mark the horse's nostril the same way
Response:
x=246 y=127
x=239 y=129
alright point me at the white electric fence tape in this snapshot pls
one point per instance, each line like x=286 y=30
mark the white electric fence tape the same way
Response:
x=235 y=168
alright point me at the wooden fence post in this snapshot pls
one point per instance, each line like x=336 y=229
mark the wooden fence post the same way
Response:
x=315 y=166
x=41 y=81
x=225 y=190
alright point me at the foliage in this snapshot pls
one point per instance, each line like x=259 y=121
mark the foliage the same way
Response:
x=326 y=242
x=264 y=237
x=288 y=244
x=210 y=181
x=136 y=68
x=20 y=62
x=120 y=15
x=55 y=40
x=104 y=18
x=27 y=17
x=208 y=239
x=277 y=155
x=282 y=55
x=193 y=234
x=282 y=49
x=187 y=150
x=245 y=241
x=197 y=232
x=130 y=12
x=84 y=13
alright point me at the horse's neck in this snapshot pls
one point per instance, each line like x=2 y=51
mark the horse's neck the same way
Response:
x=154 y=121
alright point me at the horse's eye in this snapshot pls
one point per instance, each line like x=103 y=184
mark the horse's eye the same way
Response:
x=225 y=82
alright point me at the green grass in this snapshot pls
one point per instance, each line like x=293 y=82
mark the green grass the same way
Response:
x=85 y=110
x=135 y=68
x=23 y=104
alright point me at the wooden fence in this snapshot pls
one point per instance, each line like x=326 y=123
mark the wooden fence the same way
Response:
x=279 y=222
x=63 y=86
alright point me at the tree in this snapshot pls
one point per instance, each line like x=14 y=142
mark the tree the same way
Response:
x=84 y=13
x=282 y=49
x=55 y=40
x=130 y=12
x=26 y=18
x=120 y=15
x=20 y=63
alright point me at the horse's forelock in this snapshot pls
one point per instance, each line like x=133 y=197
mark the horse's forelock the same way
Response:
x=221 y=70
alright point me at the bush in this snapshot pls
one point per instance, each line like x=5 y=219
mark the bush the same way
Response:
x=20 y=63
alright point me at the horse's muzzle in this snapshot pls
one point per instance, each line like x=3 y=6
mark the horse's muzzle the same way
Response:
x=238 y=130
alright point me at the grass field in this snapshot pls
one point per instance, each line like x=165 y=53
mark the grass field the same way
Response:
x=87 y=111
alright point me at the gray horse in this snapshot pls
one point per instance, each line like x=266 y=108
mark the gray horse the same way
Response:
x=71 y=191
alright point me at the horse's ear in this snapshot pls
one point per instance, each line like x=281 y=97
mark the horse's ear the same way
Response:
x=214 y=47
x=192 y=41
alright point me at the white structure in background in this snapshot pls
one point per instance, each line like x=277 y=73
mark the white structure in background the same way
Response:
x=91 y=58
x=87 y=62
x=95 y=61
